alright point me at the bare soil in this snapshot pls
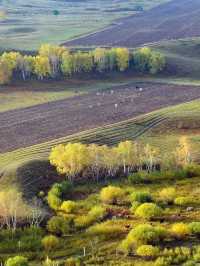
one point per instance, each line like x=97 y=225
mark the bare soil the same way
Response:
x=40 y=123
x=176 y=19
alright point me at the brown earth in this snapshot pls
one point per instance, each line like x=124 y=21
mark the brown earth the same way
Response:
x=37 y=124
x=173 y=20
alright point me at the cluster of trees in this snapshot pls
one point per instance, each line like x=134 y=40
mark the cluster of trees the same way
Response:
x=56 y=61
x=128 y=156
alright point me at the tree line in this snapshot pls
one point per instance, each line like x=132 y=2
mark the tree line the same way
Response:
x=53 y=61
x=128 y=156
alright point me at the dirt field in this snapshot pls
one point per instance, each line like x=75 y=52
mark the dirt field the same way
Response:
x=174 y=20
x=28 y=126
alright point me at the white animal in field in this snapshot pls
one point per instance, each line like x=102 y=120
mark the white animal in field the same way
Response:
x=116 y=105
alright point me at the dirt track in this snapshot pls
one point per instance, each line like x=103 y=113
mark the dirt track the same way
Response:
x=174 y=20
x=25 y=127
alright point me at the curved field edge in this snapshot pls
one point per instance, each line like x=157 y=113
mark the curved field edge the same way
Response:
x=140 y=127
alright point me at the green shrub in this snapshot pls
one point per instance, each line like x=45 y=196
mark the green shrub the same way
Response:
x=17 y=261
x=194 y=228
x=180 y=230
x=68 y=206
x=50 y=242
x=97 y=213
x=148 y=211
x=59 y=225
x=147 y=251
x=112 y=195
x=49 y=262
x=73 y=262
x=135 y=205
x=192 y=170
x=108 y=229
x=183 y=201
x=83 y=221
x=141 y=197
x=168 y=194
x=189 y=263
x=144 y=234
x=135 y=178
x=56 y=193
x=163 y=261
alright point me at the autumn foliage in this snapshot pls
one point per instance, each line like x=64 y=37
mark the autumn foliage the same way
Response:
x=53 y=61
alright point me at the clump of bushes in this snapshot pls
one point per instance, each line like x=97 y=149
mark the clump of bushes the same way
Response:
x=73 y=262
x=147 y=251
x=144 y=234
x=112 y=195
x=168 y=195
x=194 y=228
x=108 y=229
x=68 y=206
x=135 y=205
x=192 y=170
x=148 y=211
x=50 y=242
x=180 y=230
x=141 y=197
x=135 y=178
x=17 y=261
x=96 y=214
x=183 y=201
x=59 y=225
x=163 y=261
x=56 y=193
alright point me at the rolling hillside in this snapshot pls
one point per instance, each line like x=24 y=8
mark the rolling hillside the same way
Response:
x=160 y=128
x=174 y=20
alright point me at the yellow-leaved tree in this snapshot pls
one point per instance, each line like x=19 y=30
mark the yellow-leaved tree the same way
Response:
x=122 y=57
x=182 y=155
x=70 y=159
x=127 y=155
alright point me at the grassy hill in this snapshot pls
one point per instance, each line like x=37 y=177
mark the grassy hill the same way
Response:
x=26 y=26
x=183 y=57
x=161 y=128
x=152 y=26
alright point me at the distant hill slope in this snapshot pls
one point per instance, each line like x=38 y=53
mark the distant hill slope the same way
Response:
x=173 y=20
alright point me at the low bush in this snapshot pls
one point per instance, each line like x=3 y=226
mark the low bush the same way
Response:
x=144 y=234
x=49 y=262
x=168 y=194
x=97 y=213
x=194 y=228
x=190 y=263
x=112 y=195
x=163 y=261
x=135 y=205
x=59 y=225
x=148 y=211
x=192 y=170
x=57 y=192
x=68 y=206
x=147 y=251
x=141 y=197
x=50 y=242
x=183 y=201
x=108 y=229
x=180 y=230
x=73 y=262
x=83 y=221
x=135 y=178
x=17 y=261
